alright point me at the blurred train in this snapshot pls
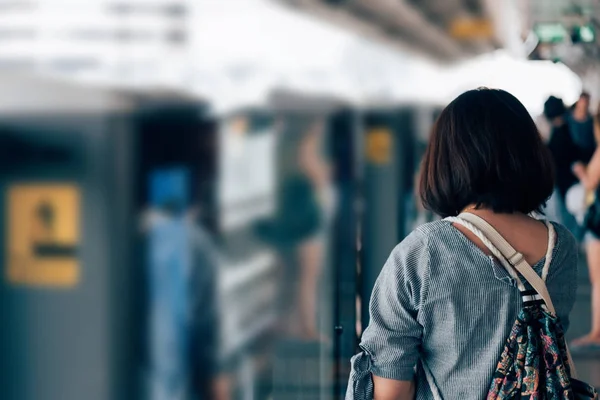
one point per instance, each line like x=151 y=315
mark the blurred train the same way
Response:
x=143 y=234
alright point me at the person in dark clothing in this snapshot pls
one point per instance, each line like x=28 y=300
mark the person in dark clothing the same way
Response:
x=581 y=127
x=565 y=154
x=561 y=145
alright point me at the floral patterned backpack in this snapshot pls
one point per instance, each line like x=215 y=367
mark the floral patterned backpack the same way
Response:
x=536 y=363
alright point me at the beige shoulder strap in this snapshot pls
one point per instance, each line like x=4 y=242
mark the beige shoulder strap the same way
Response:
x=508 y=254
x=511 y=258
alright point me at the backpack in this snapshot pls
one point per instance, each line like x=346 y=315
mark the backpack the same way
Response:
x=535 y=362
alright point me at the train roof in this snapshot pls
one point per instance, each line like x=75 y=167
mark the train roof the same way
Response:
x=27 y=93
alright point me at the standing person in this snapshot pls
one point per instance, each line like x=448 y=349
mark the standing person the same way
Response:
x=589 y=176
x=443 y=306
x=581 y=126
x=181 y=304
x=311 y=251
x=299 y=231
x=564 y=153
x=184 y=322
x=561 y=145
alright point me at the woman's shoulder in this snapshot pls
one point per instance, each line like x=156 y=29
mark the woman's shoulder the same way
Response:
x=433 y=229
x=440 y=236
x=412 y=259
x=565 y=244
x=424 y=232
x=422 y=238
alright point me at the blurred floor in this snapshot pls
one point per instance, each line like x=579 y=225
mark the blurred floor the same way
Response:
x=587 y=363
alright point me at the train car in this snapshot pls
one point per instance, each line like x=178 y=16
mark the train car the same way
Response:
x=317 y=151
x=76 y=173
x=66 y=239
x=394 y=138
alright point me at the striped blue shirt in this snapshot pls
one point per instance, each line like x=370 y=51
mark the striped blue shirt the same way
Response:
x=441 y=301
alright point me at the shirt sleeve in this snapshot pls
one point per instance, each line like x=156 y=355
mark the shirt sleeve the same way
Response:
x=390 y=344
x=562 y=277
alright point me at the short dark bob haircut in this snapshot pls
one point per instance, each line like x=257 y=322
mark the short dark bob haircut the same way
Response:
x=486 y=151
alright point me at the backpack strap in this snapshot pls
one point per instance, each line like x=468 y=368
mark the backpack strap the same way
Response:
x=511 y=258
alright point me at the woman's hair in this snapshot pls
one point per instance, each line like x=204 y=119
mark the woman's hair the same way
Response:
x=485 y=150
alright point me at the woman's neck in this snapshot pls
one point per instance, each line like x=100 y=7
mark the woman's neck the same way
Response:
x=483 y=212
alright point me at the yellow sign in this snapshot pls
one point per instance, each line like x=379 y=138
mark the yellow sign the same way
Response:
x=379 y=145
x=471 y=28
x=43 y=235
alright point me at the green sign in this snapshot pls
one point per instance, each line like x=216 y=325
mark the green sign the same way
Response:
x=550 y=32
x=584 y=34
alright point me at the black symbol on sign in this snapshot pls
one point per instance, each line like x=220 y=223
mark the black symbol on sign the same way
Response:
x=44 y=240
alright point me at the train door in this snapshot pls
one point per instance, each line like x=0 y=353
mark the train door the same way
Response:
x=249 y=274
x=380 y=190
x=317 y=175
x=173 y=296
x=64 y=241
x=394 y=143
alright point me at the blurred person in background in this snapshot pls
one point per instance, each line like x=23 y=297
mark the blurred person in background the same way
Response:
x=572 y=143
x=589 y=177
x=313 y=249
x=564 y=153
x=299 y=231
x=581 y=127
x=183 y=345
